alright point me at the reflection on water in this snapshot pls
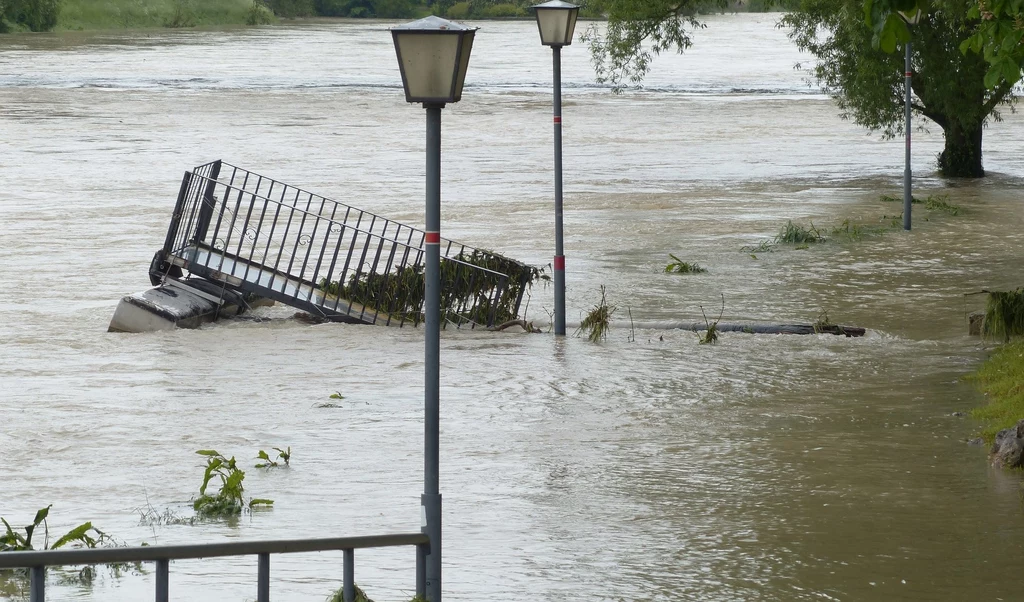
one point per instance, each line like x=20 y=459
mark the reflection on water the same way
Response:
x=766 y=467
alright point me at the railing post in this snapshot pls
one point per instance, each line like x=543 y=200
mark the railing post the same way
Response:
x=348 y=586
x=163 y=569
x=37 y=584
x=263 y=579
x=207 y=203
x=421 y=571
x=172 y=228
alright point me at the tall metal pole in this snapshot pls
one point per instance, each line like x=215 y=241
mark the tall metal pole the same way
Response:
x=431 y=499
x=907 y=198
x=559 y=251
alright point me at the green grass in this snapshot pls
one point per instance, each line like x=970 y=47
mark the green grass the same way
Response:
x=131 y=14
x=932 y=203
x=799 y=234
x=678 y=266
x=1001 y=378
x=1004 y=315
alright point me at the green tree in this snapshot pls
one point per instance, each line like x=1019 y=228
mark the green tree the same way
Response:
x=34 y=15
x=858 y=67
x=636 y=31
x=853 y=42
x=997 y=34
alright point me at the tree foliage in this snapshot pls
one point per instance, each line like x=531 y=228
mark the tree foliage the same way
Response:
x=855 y=67
x=637 y=30
x=995 y=32
x=33 y=15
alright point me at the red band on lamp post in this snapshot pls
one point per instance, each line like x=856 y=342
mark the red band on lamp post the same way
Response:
x=558 y=120
x=908 y=74
x=433 y=238
x=560 y=262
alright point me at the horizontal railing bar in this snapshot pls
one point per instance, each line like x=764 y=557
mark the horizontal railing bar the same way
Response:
x=303 y=190
x=333 y=221
x=13 y=560
x=294 y=208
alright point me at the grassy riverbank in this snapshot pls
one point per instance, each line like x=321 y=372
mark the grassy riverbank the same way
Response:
x=1002 y=379
x=125 y=14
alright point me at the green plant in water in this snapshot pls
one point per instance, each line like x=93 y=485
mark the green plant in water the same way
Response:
x=1004 y=315
x=710 y=336
x=941 y=203
x=678 y=266
x=230 y=499
x=360 y=595
x=84 y=534
x=283 y=455
x=469 y=294
x=597 y=322
x=932 y=203
x=799 y=234
x=337 y=395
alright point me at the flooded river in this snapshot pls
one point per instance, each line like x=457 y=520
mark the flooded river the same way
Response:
x=761 y=468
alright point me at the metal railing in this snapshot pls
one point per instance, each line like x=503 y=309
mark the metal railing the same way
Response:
x=272 y=239
x=37 y=561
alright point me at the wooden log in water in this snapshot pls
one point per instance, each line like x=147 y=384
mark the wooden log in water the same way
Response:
x=836 y=329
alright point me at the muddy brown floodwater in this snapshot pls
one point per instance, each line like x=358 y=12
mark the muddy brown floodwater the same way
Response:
x=762 y=468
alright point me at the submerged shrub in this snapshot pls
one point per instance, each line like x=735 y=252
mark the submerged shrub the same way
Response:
x=799 y=234
x=1004 y=315
x=678 y=266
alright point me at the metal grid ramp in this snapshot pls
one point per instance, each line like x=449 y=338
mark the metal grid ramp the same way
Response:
x=327 y=258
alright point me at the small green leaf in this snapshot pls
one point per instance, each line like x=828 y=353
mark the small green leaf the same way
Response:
x=207 y=452
x=41 y=515
x=79 y=533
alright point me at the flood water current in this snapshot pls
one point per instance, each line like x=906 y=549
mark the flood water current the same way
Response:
x=765 y=467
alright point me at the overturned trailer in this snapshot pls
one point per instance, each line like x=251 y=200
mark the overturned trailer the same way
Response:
x=237 y=238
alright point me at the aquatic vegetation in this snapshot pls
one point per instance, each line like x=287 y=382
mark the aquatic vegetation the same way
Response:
x=485 y=296
x=337 y=395
x=1001 y=378
x=596 y=324
x=84 y=534
x=932 y=203
x=678 y=266
x=229 y=499
x=799 y=234
x=1004 y=315
x=941 y=203
x=282 y=455
x=339 y=595
x=710 y=336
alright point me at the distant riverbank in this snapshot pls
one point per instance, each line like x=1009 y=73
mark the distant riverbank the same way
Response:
x=130 y=14
x=80 y=15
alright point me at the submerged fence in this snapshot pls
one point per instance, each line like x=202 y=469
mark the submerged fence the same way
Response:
x=36 y=562
x=272 y=239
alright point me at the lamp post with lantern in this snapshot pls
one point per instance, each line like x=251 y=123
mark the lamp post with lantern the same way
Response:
x=433 y=55
x=556 y=21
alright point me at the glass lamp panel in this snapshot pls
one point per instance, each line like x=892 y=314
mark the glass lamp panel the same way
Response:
x=553 y=23
x=428 y=61
x=467 y=47
x=572 y=25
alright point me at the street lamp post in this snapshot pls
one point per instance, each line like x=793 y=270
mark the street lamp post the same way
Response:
x=556 y=21
x=433 y=55
x=911 y=19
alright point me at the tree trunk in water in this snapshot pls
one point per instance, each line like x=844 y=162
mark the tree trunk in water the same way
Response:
x=961 y=158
